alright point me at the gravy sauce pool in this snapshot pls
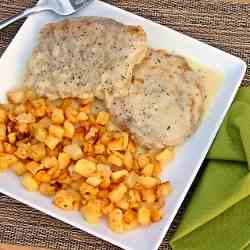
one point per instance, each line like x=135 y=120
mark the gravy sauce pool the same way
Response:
x=211 y=79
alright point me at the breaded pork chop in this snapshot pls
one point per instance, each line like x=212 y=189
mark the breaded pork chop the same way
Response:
x=165 y=101
x=77 y=57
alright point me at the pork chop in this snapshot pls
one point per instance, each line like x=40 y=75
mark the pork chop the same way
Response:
x=164 y=103
x=82 y=56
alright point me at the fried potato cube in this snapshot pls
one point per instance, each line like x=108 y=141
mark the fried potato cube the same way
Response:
x=85 y=167
x=144 y=216
x=128 y=160
x=34 y=167
x=115 y=220
x=156 y=215
x=94 y=181
x=104 y=170
x=16 y=96
x=8 y=148
x=131 y=179
x=52 y=141
x=3 y=115
x=148 y=195
x=37 y=151
x=164 y=189
x=82 y=116
x=25 y=118
x=115 y=160
x=99 y=148
x=63 y=160
x=92 y=211
x=148 y=170
x=123 y=203
x=6 y=160
x=49 y=162
x=91 y=134
x=29 y=182
x=57 y=116
x=74 y=151
x=40 y=133
x=87 y=191
x=65 y=199
x=118 y=175
x=42 y=176
x=12 y=137
x=22 y=151
x=117 y=193
x=19 y=168
x=116 y=145
x=165 y=155
x=47 y=189
x=69 y=129
x=147 y=181
x=2 y=132
x=56 y=130
x=102 y=118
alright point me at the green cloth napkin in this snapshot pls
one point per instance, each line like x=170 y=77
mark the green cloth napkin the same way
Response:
x=218 y=215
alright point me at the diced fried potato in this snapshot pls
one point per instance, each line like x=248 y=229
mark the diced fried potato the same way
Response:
x=63 y=160
x=123 y=203
x=117 y=193
x=128 y=160
x=47 y=189
x=69 y=129
x=52 y=141
x=56 y=130
x=8 y=148
x=74 y=151
x=6 y=160
x=142 y=160
x=42 y=176
x=3 y=115
x=131 y=179
x=33 y=167
x=92 y=211
x=22 y=151
x=37 y=151
x=156 y=215
x=115 y=220
x=94 y=181
x=12 y=137
x=40 y=133
x=44 y=122
x=147 y=181
x=148 y=170
x=85 y=167
x=99 y=148
x=57 y=116
x=102 y=118
x=164 y=189
x=118 y=175
x=91 y=134
x=25 y=118
x=29 y=182
x=104 y=170
x=165 y=155
x=115 y=160
x=71 y=114
x=144 y=216
x=134 y=198
x=116 y=145
x=19 y=168
x=148 y=195
x=65 y=199
x=2 y=132
x=49 y=162
x=87 y=191
x=82 y=116
x=16 y=97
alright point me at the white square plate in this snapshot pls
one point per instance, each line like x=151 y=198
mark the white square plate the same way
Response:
x=182 y=171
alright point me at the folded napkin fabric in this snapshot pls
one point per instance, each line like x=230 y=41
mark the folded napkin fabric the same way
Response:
x=218 y=215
